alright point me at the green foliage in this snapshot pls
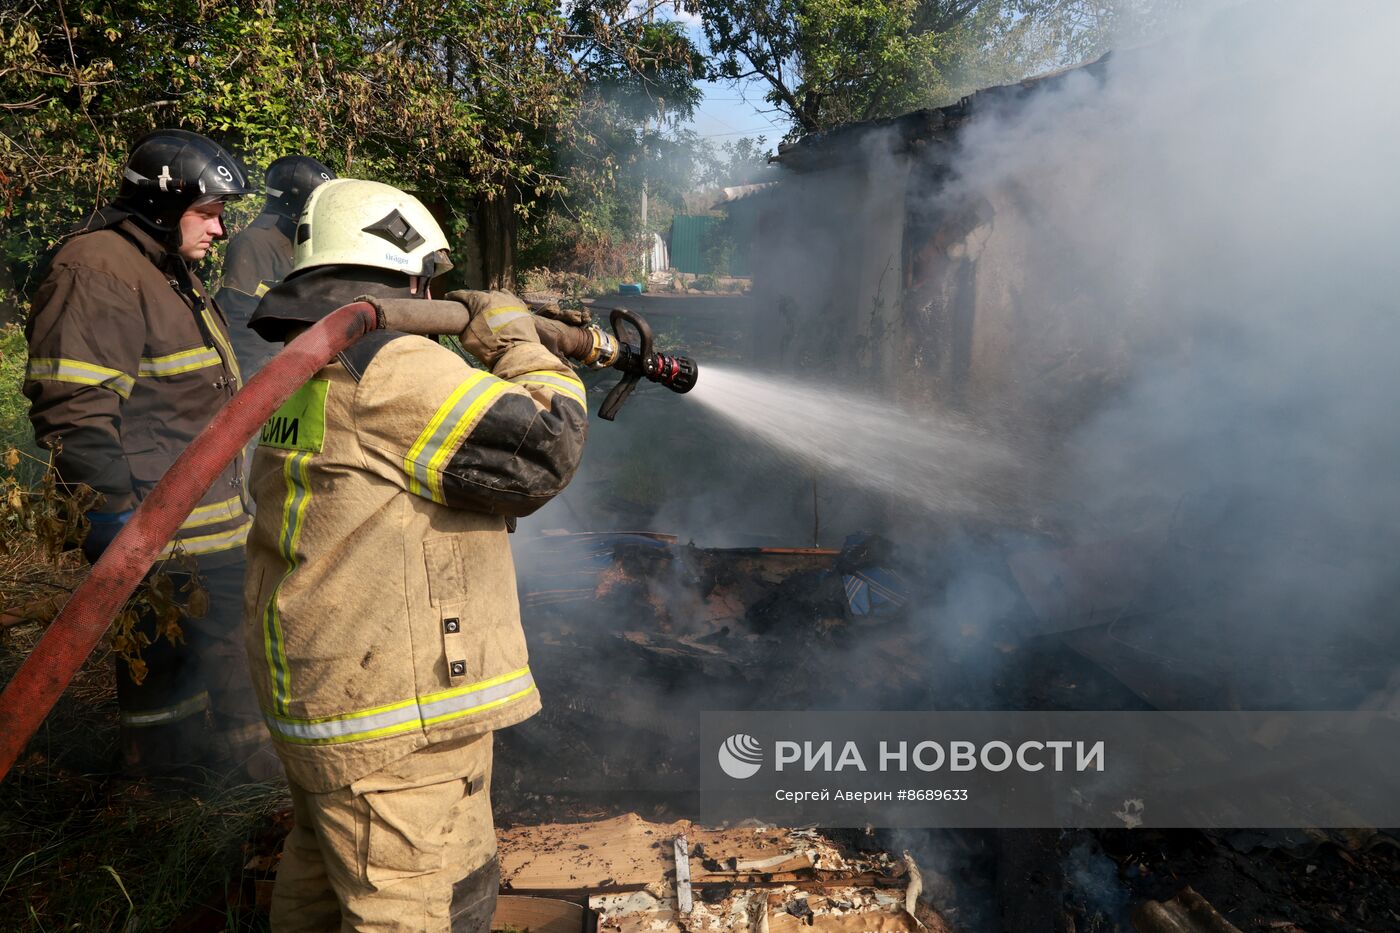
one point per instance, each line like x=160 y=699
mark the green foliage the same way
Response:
x=742 y=161
x=15 y=430
x=829 y=62
x=637 y=86
x=455 y=100
x=717 y=245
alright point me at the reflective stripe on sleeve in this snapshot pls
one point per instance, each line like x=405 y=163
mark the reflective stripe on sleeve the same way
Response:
x=214 y=513
x=159 y=717
x=433 y=448
x=175 y=363
x=80 y=373
x=209 y=544
x=406 y=716
x=497 y=318
x=570 y=386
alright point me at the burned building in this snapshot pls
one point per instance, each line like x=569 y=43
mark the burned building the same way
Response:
x=880 y=259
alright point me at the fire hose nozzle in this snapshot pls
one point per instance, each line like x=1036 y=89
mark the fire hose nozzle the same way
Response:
x=677 y=373
x=636 y=360
x=597 y=349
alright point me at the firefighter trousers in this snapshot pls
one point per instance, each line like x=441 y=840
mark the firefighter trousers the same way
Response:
x=166 y=718
x=410 y=848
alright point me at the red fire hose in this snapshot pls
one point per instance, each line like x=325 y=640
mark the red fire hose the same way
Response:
x=89 y=612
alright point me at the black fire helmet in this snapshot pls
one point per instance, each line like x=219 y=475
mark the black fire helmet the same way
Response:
x=290 y=181
x=170 y=171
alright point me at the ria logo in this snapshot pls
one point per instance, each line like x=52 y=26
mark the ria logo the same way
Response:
x=740 y=756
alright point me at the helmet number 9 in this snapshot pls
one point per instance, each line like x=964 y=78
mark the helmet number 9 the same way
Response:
x=224 y=173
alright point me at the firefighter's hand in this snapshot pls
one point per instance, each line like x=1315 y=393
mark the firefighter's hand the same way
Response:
x=563 y=331
x=499 y=320
x=574 y=317
x=102 y=530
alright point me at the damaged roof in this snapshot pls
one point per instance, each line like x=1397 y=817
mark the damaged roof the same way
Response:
x=916 y=130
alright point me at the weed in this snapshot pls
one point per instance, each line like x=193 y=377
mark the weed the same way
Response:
x=69 y=827
x=14 y=407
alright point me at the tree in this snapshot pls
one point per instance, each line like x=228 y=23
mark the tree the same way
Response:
x=743 y=161
x=829 y=62
x=497 y=113
x=456 y=100
x=637 y=87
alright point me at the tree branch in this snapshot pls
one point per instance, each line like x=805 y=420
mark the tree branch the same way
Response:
x=147 y=106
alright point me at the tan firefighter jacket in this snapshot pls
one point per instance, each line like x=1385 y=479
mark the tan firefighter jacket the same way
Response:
x=380 y=599
x=128 y=361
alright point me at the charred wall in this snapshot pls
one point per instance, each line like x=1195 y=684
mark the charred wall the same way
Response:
x=876 y=265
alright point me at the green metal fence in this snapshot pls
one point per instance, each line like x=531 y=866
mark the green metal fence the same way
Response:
x=687 y=238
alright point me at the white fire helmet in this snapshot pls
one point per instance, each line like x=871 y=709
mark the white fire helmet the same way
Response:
x=348 y=221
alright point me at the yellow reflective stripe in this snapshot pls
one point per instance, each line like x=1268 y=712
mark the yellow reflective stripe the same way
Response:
x=80 y=373
x=559 y=382
x=483 y=399
x=209 y=544
x=262 y=289
x=443 y=425
x=297 y=475
x=405 y=715
x=225 y=349
x=497 y=318
x=216 y=512
x=480 y=707
x=183 y=362
x=157 y=717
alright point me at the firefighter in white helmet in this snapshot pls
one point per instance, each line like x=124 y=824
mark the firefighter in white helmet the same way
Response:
x=380 y=609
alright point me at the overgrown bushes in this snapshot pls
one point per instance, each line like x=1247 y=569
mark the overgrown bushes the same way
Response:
x=14 y=407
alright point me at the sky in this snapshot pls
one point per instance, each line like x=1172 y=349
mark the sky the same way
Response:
x=731 y=111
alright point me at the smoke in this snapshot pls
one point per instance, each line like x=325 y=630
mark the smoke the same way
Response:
x=1223 y=205
x=1165 y=284
x=1168 y=284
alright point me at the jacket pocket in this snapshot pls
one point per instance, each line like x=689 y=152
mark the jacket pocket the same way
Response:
x=443 y=566
x=405 y=831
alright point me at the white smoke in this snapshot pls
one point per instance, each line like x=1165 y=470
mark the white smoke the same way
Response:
x=1214 y=224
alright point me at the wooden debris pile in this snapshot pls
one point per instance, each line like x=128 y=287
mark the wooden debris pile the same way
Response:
x=635 y=876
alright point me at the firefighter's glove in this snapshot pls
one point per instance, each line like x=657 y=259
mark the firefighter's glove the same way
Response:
x=499 y=321
x=574 y=317
x=102 y=530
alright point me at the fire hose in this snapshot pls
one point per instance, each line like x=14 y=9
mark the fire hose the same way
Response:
x=85 y=618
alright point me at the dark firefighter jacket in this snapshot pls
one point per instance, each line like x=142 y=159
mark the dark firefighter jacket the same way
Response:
x=259 y=256
x=128 y=361
x=380 y=603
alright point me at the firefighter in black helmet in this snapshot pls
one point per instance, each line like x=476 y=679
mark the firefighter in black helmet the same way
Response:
x=129 y=359
x=261 y=254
